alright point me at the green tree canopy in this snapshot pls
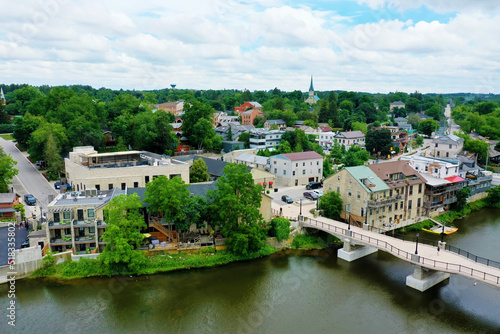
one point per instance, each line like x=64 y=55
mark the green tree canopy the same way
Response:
x=428 y=126
x=7 y=170
x=379 y=141
x=123 y=234
x=280 y=228
x=198 y=172
x=331 y=205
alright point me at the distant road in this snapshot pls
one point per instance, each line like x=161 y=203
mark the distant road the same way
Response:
x=29 y=180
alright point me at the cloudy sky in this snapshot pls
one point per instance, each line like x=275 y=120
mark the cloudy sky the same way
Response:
x=360 y=45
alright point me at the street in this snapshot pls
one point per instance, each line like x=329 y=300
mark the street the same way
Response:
x=29 y=180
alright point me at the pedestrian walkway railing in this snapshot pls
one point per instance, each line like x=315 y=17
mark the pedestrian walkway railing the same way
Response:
x=408 y=256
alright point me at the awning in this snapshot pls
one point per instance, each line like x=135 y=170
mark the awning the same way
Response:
x=454 y=179
x=7 y=209
x=146 y=235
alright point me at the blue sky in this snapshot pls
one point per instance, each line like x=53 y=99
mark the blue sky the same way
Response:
x=361 y=45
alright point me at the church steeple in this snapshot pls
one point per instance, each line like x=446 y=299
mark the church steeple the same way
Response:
x=311 y=88
x=2 y=97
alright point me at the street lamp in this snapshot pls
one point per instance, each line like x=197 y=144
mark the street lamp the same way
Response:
x=442 y=234
x=416 y=246
x=300 y=207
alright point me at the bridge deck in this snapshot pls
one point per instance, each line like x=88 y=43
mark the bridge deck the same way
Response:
x=444 y=261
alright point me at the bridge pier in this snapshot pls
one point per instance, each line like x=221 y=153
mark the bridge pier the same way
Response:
x=423 y=278
x=351 y=252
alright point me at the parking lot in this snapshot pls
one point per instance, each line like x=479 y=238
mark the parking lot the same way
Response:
x=296 y=193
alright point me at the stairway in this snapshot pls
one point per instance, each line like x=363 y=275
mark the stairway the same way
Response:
x=164 y=230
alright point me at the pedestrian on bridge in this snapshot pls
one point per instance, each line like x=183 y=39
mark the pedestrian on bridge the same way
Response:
x=438 y=251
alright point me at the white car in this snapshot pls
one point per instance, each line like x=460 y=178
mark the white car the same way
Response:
x=317 y=192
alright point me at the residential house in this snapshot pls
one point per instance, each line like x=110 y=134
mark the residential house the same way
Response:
x=350 y=138
x=326 y=139
x=400 y=121
x=7 y=202
x=262 y=138
x=396 y=104
x=293 y=169
x=447 y=147
x=281 y=124
x=87 y=169
x=442 y=182
x=248 y=105
x=252 y=160
x=236 y=128
x=76 y=220
x=248 y=117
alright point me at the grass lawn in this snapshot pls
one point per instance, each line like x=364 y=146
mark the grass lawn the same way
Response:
x=7 y=136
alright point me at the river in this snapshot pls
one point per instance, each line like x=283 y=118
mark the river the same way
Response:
x=289 y=292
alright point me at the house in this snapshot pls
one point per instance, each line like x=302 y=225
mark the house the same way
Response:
x=175 y=108
x=281 y=124
x=400 y=121
x=230 y=156
x=380 y=195
x=293 y=169
x=248 y=117
x=223 y=120
x=350 y=138
x=442 y=182
x=236 y=128
x=76 y=220
x=262 y=138
x=109 y=140
x=312 y=98
x=87 y=169
x=325 y=129
x=248 y=105
x=252 y=160
x=396 y=104
x=447 y=147
x=494 y=156
x=327 y=139
x=7 y=202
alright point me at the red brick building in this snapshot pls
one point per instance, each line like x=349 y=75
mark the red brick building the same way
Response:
x=7 y=202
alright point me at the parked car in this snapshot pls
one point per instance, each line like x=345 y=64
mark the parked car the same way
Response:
x=58 y=185
x=287 y=199
x=26 y=243
x=310 y=195
x=29 y=199
x=318 y=192
x=40 y=164
x=314 y=185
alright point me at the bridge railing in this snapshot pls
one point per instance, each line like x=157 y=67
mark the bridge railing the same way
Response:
x=450 y=267
x=473 y=257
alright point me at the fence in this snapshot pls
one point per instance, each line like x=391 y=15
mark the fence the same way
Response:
x=429 y=263
x=279 y=214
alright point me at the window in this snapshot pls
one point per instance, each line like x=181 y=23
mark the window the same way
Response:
x=275 y=170
x=349 y=192
x=124 y=185
x=359 y=195
x=390 y=208
x=383 y=209
x=447 y=154
x=66 y=215
x=110 y=186
x=371 y=212
x=450 y=148
x=98 y=186
x=311 y=163
x=411 y=190
x=395 y=206
x=296 y=164
x=136 y=184
x=67 y=231
x=435 y=170
x=293 y=173
x=317 y=163
x=319 y=170
x=303 y=164
x=338 y=178
x=446 y=171
x=90 y=213
x=69 y=246
x=426 y=168
x=338 y=189
x=401 y=205
x=420 y=188
x=284 y=171
x=56 y=217
x=418 y=203
x=390 y=193
x=436 y=145
x=146 y=179
x=92 y=229
x=409 y=204
x=303 y=172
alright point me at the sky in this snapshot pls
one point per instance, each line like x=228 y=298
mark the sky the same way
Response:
x=376 y=46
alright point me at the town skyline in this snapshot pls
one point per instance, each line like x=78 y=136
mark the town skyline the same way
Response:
x=371 y=46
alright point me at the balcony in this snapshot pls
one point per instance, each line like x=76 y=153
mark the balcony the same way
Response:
x=85 y=239
x=385 y=201
x=84 y=223
x=60 y=241
x=431 y=205
x=60 y=224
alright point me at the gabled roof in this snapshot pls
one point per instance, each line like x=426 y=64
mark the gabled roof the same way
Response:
x=256 y=104
x=300 y=156
x=252 y=158
x=449 y=139
x=397 y=103
x=365 y=176
x=384 y=170
x=326 y=129
x=351 y=134
x=7 y=198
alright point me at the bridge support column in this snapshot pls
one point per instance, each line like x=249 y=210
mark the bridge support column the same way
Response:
x=423 y=278
x=352 y=252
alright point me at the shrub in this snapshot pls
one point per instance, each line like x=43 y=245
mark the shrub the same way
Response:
x=305 y=242
x=207 y=250
x=280 y=228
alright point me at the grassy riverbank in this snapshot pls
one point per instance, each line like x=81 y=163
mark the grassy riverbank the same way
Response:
x=154 y=264
x=320 y=240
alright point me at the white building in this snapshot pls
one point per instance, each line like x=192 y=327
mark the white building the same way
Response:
x=87 y=169
x=293 y=169
x=253 y=160
x=262 y=139
x=447 y=147
x=326 y=139
x=437 y=168
x=350 y=138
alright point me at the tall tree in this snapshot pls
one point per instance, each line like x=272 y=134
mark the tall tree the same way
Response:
x=331 y=205
x=53 y=159
x=123 y=235
x=379 y=141
x=7 y=170
x=198 y=172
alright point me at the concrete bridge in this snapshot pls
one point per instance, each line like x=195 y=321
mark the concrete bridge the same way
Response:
x=431 y=266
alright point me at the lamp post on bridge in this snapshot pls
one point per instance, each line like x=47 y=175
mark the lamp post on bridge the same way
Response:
x=416 y=246
x=442 y=234
x=300 y=207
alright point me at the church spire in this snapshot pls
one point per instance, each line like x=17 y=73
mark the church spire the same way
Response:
x=2 y=96
x=311 y=88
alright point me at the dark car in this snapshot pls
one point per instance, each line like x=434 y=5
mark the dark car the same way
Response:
x=314 y=185
x=26 y=243
x=311 y=196
x=286 y=199
x=59 y=184
x=29 y=199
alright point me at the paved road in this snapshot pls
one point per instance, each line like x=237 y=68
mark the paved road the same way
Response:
x=29 y=180
x=21 y=235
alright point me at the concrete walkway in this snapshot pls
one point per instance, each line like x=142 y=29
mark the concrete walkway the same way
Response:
x=428 y=256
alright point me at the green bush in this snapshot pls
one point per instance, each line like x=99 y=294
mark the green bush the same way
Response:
x=280 y=228
x=207 y=250
x=305 y=242
x=7 y=128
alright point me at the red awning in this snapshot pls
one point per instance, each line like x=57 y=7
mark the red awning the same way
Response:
x=455 y=179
